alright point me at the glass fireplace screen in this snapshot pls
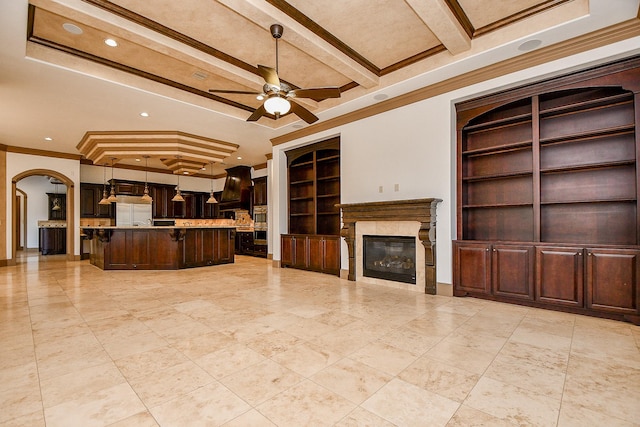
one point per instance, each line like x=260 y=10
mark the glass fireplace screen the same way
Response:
x=390 y=258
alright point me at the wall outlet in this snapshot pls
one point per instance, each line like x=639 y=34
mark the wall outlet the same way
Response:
x=396 y=187
x=380 y=189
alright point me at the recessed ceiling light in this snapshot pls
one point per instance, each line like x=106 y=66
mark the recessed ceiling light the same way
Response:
x=144 y=114
x=380 y=96
x=239 y=157
x=185 y=173
x=111 y=42
x=297 y=126
x=48 y=138
x=529 y=45
x=72 y=28
x=137 y=160
x=200 y=75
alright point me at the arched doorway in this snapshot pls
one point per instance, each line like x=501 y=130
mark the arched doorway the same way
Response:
x=68 y=183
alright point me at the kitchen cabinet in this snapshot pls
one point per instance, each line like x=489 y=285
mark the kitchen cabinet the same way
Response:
x=59 y=200
x=90 y=207
x=244 y=243
x=260 y=191
x=206 y=246
x=311 y=252
x=53 y=240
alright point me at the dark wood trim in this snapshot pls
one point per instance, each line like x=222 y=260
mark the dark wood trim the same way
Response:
x=539 y=8
x=462 y=17
x=412 y=59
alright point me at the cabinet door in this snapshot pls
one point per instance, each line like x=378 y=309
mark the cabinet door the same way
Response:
x=512 y=271
x=287 y=249
x=560 y=275
x=88 y=202
x=332 y=255
x=472 y=268
x=613 y=277
x=260 y=191
x=224 y=242
x=141 y=255
x=316 y=253
x=190 y=248
x=300 y=257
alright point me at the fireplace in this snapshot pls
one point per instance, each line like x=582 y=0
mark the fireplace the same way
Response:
x=390 y=258
x=415 y=218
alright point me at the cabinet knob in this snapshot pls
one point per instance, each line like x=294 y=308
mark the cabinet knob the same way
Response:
x=487 y=249
x=494 y=249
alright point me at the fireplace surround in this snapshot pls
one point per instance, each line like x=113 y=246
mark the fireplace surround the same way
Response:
x=420 y=211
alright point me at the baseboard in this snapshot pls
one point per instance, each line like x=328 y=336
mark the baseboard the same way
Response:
x=275 y=263
x=344 y=274
x=444 y=289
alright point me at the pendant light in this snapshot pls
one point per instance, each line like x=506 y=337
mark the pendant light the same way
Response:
x=112 y=195
x=212 y=199
x=105 y=196
x=146 y=197
x=56 y=202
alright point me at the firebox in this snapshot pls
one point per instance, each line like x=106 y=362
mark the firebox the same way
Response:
x=390 y=258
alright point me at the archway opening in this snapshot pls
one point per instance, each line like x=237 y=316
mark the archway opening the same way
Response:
x=69 y=205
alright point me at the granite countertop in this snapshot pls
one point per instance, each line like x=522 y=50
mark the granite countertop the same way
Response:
x=137 y=227
x=52 y=224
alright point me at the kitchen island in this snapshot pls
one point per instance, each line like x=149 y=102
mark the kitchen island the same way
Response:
x=160 y=248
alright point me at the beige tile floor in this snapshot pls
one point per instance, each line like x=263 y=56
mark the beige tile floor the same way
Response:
x=251 y=345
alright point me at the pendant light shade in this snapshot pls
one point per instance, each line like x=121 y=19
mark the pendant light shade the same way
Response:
x=145 y=196
x=277 y=105
x=105 y=196
x=211 y=199
x=178 y=197
x=112 y=195
x=56 y=201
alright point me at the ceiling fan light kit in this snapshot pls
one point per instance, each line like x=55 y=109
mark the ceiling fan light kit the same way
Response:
x=279 y=94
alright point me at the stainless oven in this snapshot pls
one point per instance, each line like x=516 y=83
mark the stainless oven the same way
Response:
x=260 y=225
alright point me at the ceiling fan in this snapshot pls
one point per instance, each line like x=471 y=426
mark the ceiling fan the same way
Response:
x=279 y=95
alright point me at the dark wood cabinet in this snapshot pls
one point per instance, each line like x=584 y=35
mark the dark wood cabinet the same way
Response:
x=57 y=206
x=260 y=191
x=53 y=240
x=90 y=207
x=548 y=180
x=311 y=252
x=206 y=246
x=314 y=188
x=244 y=243
x=314 y=215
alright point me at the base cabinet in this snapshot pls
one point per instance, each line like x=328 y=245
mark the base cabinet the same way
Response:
x=53 y=241
x=202 y=247
x=606 y=284
x=311 y=252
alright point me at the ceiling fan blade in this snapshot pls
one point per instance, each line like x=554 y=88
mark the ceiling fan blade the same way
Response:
x=317 y=94
x=241 y=92
x=302 y=112
x=260 y=111
x=269 y=75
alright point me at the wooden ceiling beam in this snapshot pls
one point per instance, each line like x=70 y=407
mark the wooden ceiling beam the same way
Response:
x=437 y=15
x=264 y=14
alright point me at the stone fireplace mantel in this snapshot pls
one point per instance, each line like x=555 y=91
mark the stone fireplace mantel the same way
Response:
x=421 y=210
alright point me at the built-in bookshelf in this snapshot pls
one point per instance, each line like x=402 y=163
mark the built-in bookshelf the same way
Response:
x=547 y=208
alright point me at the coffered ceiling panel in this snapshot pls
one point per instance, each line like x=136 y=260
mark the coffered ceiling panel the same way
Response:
x=391 y=32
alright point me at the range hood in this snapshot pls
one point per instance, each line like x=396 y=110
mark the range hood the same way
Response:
x=237 y=191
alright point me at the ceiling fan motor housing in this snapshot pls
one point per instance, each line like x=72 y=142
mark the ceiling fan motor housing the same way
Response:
x=276 y=31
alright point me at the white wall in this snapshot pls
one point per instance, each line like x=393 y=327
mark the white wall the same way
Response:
x=36 y=188
x=18 y=163
x=414 y=147
x=95 y=175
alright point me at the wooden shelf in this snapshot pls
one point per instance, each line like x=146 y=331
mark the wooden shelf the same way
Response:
x=590 y=201
x=591 y=104
x=497 y=205
x=497 y=176
x=499 y=148
x=587 y=134
x=492 y=124
x=314 y=189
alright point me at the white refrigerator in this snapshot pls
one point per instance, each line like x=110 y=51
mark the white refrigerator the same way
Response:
x=133 y=214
